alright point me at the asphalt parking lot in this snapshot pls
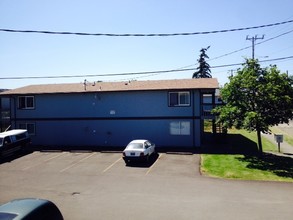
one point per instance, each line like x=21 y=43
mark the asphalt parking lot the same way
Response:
x=97 y=185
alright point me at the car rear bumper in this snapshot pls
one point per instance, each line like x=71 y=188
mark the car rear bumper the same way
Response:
x=135 y=159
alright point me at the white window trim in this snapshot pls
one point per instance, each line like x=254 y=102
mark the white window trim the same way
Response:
x=26 y=107
x=180 y=128
x=178 y=94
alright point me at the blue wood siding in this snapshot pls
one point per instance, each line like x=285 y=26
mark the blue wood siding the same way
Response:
x=110 y=119
x=108 y=133
x=123 y=104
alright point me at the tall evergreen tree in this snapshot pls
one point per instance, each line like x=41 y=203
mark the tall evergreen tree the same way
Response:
x=203 y=70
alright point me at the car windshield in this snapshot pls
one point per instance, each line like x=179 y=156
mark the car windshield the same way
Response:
x=7 y=216
x=135 y=146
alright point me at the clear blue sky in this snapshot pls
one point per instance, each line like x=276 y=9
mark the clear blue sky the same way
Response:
x=54 y=55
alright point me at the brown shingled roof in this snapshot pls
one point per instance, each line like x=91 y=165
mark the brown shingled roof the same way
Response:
x=202 y=83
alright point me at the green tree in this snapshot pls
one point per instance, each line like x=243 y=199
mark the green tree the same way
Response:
x=203 y=70
x=256 y=98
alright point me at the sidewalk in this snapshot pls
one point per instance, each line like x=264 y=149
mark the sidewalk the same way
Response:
x=285 y=148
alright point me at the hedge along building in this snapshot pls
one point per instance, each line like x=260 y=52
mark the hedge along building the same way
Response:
x=110 y=114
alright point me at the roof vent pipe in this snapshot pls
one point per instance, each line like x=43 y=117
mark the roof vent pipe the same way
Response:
x=84 y=83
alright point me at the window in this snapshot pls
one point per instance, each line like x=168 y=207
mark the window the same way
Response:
x=30 y=127
x=180 y=128
x=26 y=102
x=207 y=99
x=179 y=99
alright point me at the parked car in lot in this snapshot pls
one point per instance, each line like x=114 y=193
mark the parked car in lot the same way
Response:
x=138 y=150
x=13 y=141
x=30 y=209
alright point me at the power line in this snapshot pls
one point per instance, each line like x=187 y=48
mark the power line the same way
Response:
x=272 y=38
x=227 y=54
x=93 y=75
x=244 y=48
x=131 y=73
x=143 y=35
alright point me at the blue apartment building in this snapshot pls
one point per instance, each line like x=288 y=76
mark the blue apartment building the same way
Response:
x=170 y=113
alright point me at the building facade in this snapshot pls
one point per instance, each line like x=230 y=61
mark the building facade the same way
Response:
x=170 y=113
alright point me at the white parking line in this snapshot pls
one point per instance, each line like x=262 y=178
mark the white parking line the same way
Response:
x=37 y=164
x=109 y=167
x=72 y=165
x=149 y=170
x=58 y=155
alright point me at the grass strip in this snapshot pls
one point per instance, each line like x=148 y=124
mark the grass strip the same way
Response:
x=249 y=166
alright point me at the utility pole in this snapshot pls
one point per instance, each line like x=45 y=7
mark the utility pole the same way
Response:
x=231 y=72
x=253 y=39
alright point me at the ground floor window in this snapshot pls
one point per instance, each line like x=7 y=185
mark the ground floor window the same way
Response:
x=180 y=128
x=30 y=127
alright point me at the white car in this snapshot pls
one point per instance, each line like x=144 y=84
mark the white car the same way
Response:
x=138 y=150
x=12 y=141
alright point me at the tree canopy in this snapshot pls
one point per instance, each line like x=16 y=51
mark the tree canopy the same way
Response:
x=256 y=98
x=203 y=70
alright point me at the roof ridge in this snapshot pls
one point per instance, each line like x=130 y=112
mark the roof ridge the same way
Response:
x=97 y=86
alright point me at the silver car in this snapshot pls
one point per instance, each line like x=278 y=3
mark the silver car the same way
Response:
x=138 y=150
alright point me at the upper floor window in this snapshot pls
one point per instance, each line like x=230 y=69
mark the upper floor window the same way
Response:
x=26 y=102
x=179 y=98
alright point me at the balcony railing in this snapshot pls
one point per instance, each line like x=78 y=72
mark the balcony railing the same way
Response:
x=206 y=110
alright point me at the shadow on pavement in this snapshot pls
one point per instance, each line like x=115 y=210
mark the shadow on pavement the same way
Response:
x=144 y=164
x=14 y=156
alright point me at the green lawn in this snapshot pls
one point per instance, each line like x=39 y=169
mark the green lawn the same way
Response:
x=247 y=166
x=267 y=145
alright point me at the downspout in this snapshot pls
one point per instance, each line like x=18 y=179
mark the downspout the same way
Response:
x=14 y=104
x=193 y=119
x=213 y=106
x=200 y=117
